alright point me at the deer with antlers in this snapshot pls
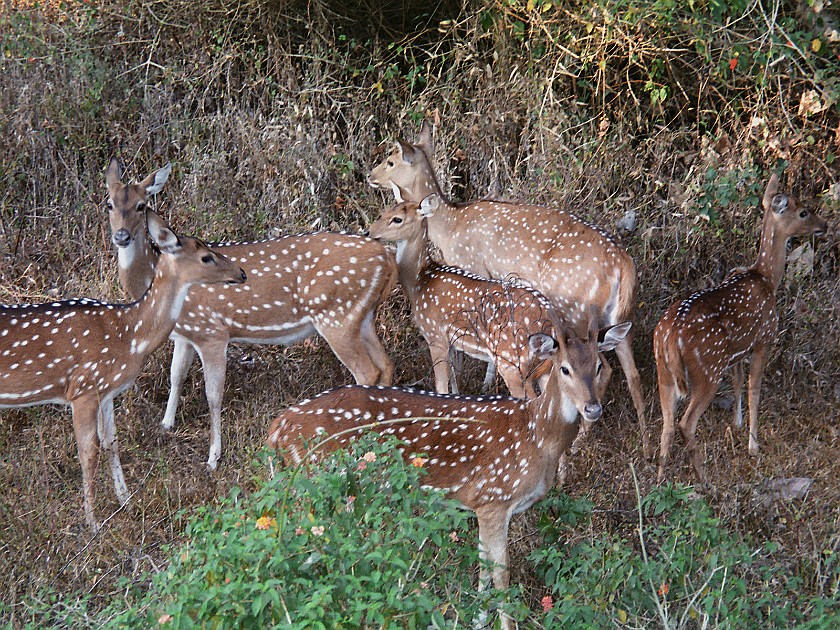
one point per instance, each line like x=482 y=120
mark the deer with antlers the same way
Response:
x=497 y=456
x=490 y=320
x=83 y=353
x=573 y=263
x=325 y=282
x=700 y=337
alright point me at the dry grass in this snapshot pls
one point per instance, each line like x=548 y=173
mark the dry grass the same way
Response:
x=272 y=114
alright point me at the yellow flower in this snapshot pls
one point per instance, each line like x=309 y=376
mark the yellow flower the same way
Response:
x=418 y=462
x=370 y=456
x=265 y=522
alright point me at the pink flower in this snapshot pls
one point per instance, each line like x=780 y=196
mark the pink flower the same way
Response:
x=453 y=536
x=164 y=618
x=418 y=462
x=370 y=456
x=318 y=530
x=547 y=603
x=299 y=531
x=361 y=465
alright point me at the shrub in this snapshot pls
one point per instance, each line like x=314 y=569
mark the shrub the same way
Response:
x=682 y=568
x=337 y=544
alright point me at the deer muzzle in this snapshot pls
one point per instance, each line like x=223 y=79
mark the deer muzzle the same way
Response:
x=592 y=411
x=121 y=238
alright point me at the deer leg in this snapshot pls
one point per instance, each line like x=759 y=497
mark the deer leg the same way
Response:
x=737 y=387
x=85 y=411
x=668 y=399
x=183 y=355
x=757 y=364
x=377 y=352
x=456 y=366
x=214 y=362
x=624 y=350
x=493 y=553
x=345 y=343
x=107 y=431
x=489 y=378
x=701 y=398
x=440 y=363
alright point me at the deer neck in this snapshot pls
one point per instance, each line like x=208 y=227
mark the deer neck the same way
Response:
x=770 y=263
x=154 y=315
x=442 y=226
x=136 y=265
x=413 y=259
x=553 y=418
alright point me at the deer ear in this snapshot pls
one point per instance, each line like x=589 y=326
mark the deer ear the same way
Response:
x=614 y=336
x=429 y=206
x=408 y=152
x=779 y=203
x=113 y=174
x=153 y=184
x=424 y=139
x=770 y=191
x=161 y=233
x=541 y=346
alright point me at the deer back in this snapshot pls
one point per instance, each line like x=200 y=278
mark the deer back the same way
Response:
x=325 y=278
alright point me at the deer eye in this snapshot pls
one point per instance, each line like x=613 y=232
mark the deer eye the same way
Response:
x=141 y=207
x=397 y=220
x=565 y=370
x=207 y=258
x=109 y=205
x=803 y=214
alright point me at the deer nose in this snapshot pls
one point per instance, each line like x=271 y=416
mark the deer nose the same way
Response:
x=121 y=238
x=592 y=411
x=242 y=278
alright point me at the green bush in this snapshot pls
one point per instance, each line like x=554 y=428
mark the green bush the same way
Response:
x=340 y=544
x=686 y=569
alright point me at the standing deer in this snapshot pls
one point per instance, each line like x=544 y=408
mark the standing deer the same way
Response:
x=497 y=456
x=325 y=282
x=490 y=320
x=700 y=337
x=83 y=353
x=573 y=263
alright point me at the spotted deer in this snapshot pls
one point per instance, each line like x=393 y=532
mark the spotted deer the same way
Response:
x=490 y=320
x=700 y=337
x=574 y=264
x=83 y=352
x=325 y=282
x=495 y=455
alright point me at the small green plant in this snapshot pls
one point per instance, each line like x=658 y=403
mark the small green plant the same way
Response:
x=340 y=545
x=682 y=568
x=721 y=188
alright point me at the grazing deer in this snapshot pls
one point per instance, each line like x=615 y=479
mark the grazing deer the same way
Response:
x=495 y=455
x=83 y=353
x=571 y=262
x=325 y=282
x=700 y=337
